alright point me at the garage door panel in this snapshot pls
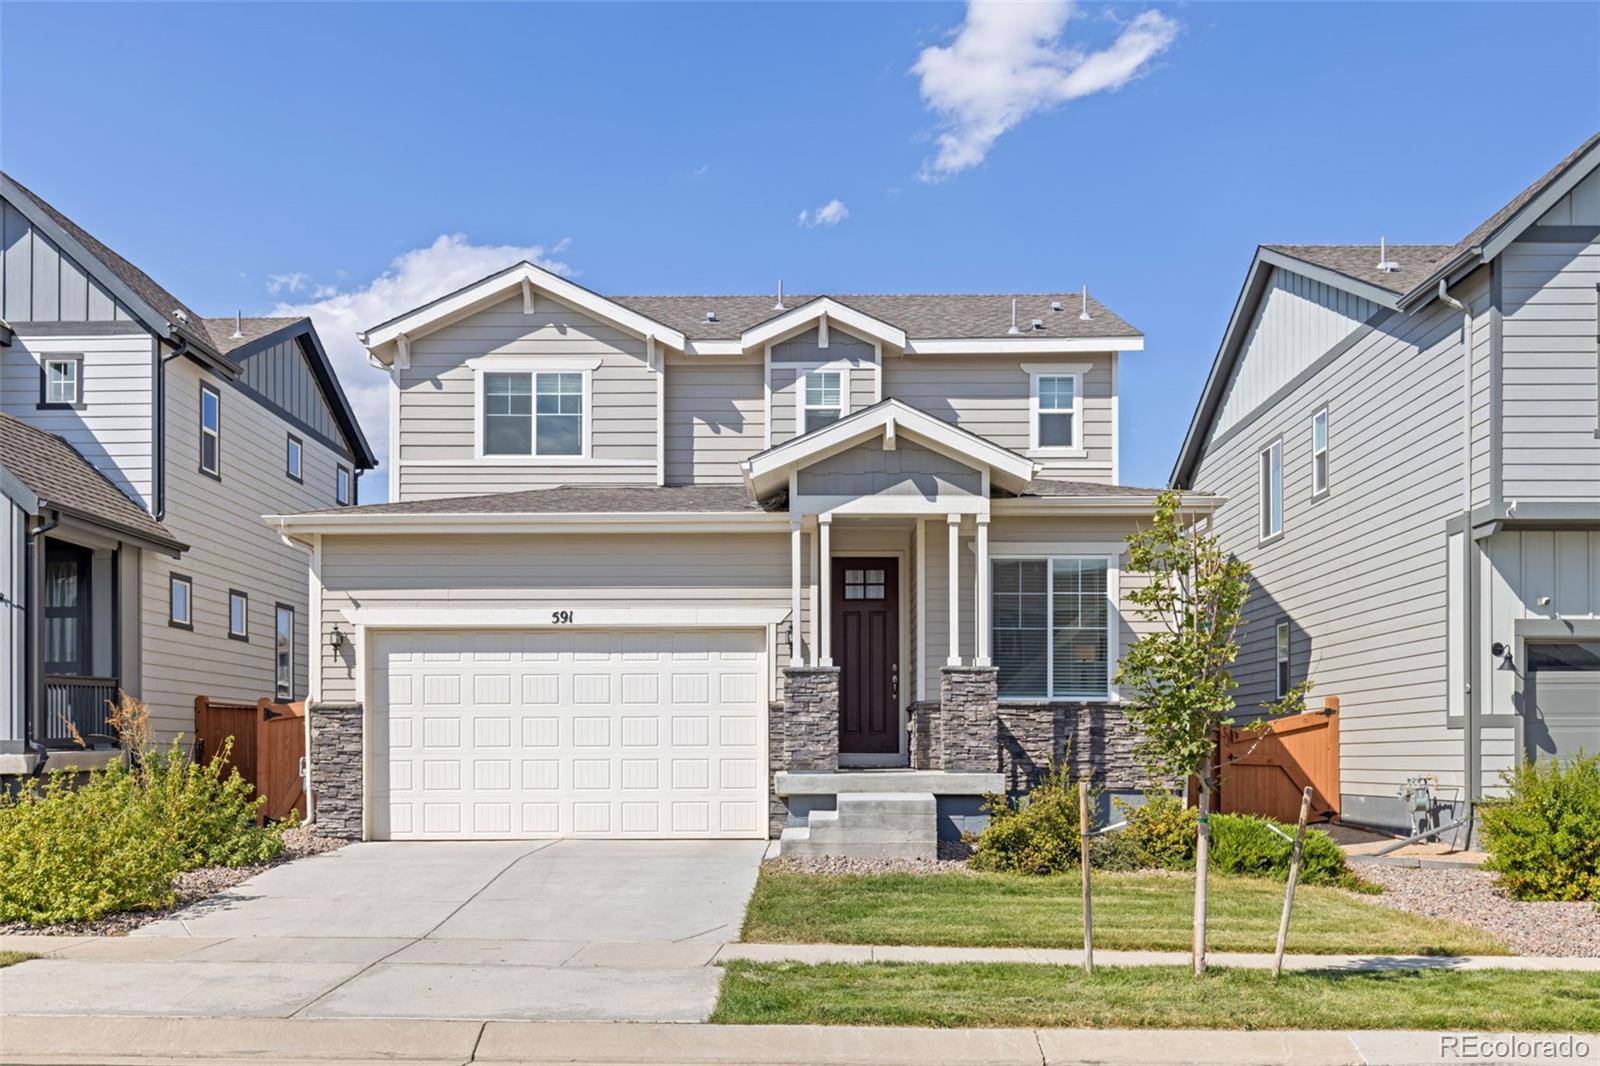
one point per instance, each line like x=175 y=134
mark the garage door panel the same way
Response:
x=540 y=734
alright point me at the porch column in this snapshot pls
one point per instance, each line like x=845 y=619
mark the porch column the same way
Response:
x=795 y=658
x=980 y=618
x=954 y=533
x=824 y=604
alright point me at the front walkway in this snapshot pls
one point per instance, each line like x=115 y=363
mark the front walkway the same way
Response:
x=564 y=930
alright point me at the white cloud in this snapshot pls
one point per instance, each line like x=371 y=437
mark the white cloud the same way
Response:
x=294 y=281
x=1007 y=61
x=413 y=278
x=829 y=214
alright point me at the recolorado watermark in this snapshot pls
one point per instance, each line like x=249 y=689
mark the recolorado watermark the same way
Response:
x=1501 y=1047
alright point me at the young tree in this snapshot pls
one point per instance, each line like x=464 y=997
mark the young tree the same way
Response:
x=1177 y=675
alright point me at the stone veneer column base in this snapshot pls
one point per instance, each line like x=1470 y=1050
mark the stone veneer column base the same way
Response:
x=802 y=732
x=969 y=723
x=335 y=760
x=1095 y=739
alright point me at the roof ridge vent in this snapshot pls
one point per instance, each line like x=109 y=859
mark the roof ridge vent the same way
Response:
x=238 y=326
x=779 y=305
x=1385 y=264
x=1013 y=329
x=1083 y=305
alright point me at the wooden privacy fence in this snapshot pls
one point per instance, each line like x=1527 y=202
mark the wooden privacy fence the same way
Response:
x=269 y=741
x=1265 y=769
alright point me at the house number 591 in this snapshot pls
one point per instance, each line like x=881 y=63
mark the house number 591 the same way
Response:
x=561 y=618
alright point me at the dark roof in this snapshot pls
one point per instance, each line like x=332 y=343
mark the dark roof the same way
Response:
x=1360 y=261
x=220 y=330
x=1051 y=487
x=64 y=480
x=956 y=316
x=574 y=499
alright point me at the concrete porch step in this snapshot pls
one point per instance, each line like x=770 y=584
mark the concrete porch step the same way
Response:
x=868 y=825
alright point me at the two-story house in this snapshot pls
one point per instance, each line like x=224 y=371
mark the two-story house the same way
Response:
x=140 y=443
x=702 y=566
x=1408 y=438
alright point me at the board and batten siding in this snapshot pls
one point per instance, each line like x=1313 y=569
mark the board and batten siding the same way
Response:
x=113 y=426
x=716 y=418
x=539 y=574
x=282 y=374
x=39 y=282
x=230 y=548
x=438 y=402
x=1296 y=321
x=1360 y=574
x=990 y=395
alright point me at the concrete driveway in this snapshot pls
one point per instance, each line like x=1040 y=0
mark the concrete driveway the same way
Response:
x=559 y=930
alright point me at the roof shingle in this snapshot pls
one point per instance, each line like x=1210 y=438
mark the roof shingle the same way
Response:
x=1360 y=261
x=574 y=499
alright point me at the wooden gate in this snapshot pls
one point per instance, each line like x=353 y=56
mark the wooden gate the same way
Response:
x=1265 y=768
x=269 y=741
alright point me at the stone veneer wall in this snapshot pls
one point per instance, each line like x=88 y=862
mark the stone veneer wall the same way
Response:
x=967 y=703
x=336 y=768
x=803 y=731
x=1096 y=737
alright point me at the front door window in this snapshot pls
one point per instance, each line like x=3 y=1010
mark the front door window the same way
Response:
x=66 y=610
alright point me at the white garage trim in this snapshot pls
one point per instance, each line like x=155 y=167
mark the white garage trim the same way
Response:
x=576 y=617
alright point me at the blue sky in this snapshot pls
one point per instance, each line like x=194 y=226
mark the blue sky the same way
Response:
x=353 y=158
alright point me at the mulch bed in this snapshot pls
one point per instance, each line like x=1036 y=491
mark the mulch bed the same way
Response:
x=1473 y=896
x=190 y=886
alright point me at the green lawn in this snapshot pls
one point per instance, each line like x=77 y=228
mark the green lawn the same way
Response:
x=1131 y=910
x=11 y=958
x=1021 y=995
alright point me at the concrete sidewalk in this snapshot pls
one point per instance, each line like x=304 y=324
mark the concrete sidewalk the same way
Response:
x=31 y=1041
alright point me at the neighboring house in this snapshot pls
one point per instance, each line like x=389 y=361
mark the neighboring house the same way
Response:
x=141 y=445
x=690 y=566
x=1408 y=438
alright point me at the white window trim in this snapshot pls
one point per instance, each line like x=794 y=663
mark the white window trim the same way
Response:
x=1264 y=492
x=804 y=408
x=1282 y=657
x=1038 y=371
x=1113 y=561
x=1319 y=491
x=585 y=368
x=76 y=363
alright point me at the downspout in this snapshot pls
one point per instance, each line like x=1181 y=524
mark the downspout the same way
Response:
x=1470 y=731
x=160 y=458
x=33 y=641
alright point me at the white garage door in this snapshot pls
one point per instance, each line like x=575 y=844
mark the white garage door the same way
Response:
x=556 y=733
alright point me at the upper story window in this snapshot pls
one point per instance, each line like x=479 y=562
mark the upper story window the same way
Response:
x=210 y=431
x=533 y=414
x=1271 y=490
x=238 y=615
x=1051 y=627
x=1055 y=402
x=180 y=601
x=283 y=652
x=61 y=381
x=342 y=485
x=294 y=456
x=824 y=399
x=1280 y=646
x=1319 y=452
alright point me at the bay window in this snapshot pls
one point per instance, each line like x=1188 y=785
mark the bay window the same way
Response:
x=1050 y=627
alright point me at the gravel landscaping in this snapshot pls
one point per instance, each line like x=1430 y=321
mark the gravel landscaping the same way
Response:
x=1471 y=896
x=189 y=886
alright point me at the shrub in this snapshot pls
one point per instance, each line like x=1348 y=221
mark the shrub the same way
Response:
x=76 y=854
x=1162 y=831
x=1544 y=837
x=1246 y=844
x=1035 y=835
x=212 y=815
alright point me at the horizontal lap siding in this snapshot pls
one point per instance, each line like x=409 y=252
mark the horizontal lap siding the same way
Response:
x=437 y=419
x=230 y=547
x=1550 y=372
x=989 y=395
x=538 y=574
x=789 y=360
x=113 y=428
x=715 y=420
x=1360 y=573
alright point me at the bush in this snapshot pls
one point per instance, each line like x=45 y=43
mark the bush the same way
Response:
x=1162 y=831
x=212 y=816
x=1246 y=844
x=1544 y=838
x=77 y=854
x=1035 y=835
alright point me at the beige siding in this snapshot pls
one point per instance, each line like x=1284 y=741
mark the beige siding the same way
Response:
x=113 y=428
x=438 y=415
x=543 y=573
x=230 y=547
x=909 y=469
x=716 y=416
x=856 y=360
x=989 y=395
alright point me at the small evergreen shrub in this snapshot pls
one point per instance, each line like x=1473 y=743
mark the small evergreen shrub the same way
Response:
x=1162 y=831
x=1246 y=844
x=1035 y=835
x=1544 y=837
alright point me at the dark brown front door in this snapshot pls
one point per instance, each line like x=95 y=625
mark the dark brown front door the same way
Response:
x=866 y=645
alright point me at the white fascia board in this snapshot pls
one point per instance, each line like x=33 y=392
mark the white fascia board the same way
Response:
x=776 y=329
x=1022 y=345
x=300 y=526
x=430 y=316
x=580 y=617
